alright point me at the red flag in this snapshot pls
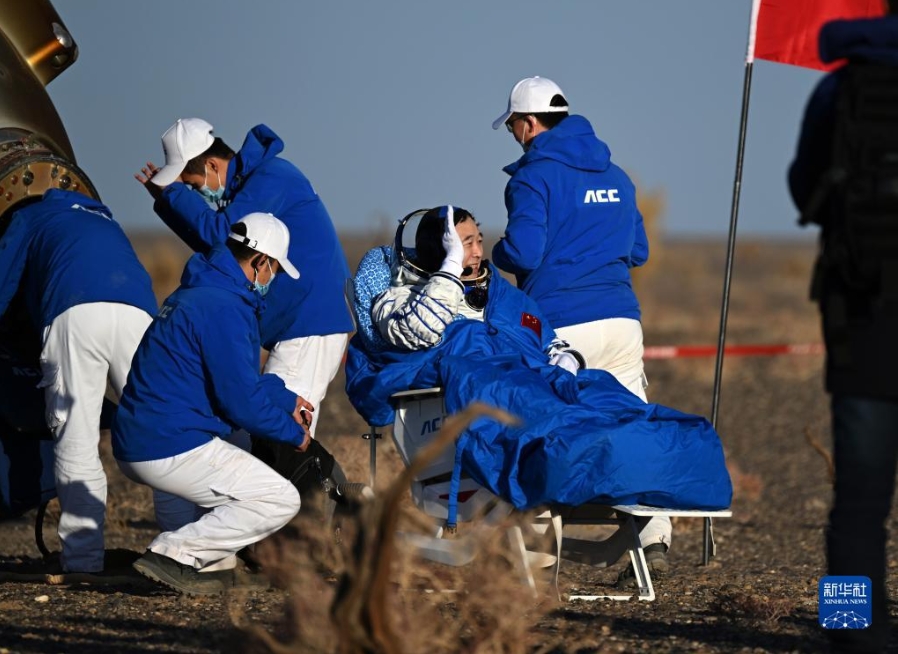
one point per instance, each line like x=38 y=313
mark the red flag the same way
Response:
x=786 y=30
x=532 y=323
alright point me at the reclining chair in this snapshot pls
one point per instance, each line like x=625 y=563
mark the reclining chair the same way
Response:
x=418 y=417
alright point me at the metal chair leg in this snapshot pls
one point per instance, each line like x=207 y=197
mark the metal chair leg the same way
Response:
x=372 y=437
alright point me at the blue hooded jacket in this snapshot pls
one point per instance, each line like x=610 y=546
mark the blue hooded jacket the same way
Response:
x=195 y=375
x=258 y=180
x=574 y=230
x=67 y=250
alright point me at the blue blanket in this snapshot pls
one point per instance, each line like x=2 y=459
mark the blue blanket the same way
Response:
x=582 y=438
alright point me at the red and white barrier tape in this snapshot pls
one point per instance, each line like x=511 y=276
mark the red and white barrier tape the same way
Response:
x=686 y=351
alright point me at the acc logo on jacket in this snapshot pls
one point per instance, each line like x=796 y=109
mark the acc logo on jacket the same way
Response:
x=601 y=195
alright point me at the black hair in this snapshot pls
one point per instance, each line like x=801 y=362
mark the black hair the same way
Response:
x=893 y=6
x=550 y=119
x=218 y=149
x=241 y=251
x=429 y=251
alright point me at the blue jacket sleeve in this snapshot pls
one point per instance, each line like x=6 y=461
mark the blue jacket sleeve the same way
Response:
x=14 y=248
x=814 y=154
x=640 y=252
x=201 y=226
x=522 y=248
x=190 y=217
x=241 y=394
x=280 y=395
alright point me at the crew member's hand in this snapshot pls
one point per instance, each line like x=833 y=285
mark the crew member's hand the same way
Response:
x=302 y=414
x=454 y=262
x=145 y=175
x=565 y=360
x=302 y=405
x=306 y=439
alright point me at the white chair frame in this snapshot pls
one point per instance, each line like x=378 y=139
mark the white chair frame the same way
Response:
x=419 y=414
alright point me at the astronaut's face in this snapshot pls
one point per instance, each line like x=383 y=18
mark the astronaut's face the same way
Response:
x=472 y=239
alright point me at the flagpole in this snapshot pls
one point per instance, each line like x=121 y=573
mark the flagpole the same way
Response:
x=731 y=244
x=707 y=538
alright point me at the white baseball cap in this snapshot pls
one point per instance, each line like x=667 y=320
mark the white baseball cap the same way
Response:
x=268 y=235
x=186 y=139
x=532 y=95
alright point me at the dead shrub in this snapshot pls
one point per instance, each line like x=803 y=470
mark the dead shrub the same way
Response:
x=736 y=602
x=366 y=592
x=823 y=452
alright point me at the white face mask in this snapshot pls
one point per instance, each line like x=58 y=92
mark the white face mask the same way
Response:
x=210 y=195
x=523 y=142
x=262 y=289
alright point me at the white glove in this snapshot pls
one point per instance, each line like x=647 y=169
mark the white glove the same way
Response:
x=454 y=262
x=565 y=360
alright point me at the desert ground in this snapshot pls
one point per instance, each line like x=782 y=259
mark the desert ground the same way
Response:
x=759 y=594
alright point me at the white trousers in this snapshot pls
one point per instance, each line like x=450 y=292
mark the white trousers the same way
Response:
x=173 y=512
x=83 y=348
x=307 y=365
x=615 y=345
x=248 y=500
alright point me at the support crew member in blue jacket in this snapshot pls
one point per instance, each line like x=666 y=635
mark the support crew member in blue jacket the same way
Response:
x=573 y=233
x=91 y=300
x=195 y=378
x=307 y=323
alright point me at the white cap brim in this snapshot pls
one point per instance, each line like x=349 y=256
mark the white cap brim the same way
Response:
x=501 y=119
x=168 y=174
x=288 y=268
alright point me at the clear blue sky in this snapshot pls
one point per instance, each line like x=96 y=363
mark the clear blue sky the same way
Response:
x=386 y=106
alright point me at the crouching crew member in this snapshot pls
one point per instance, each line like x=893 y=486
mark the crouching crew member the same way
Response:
x=194 y=379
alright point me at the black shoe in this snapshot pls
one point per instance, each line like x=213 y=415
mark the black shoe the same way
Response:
x=250 y=561
x=655 y=560
x=183 y=578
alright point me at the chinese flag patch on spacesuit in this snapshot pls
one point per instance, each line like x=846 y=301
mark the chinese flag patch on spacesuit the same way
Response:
x=532 y=323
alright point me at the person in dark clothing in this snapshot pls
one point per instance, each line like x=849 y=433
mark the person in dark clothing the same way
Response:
x=859 y=325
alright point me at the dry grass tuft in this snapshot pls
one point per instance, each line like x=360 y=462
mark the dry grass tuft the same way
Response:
x=822 y=451
x=734 y=601
x=364 y=593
